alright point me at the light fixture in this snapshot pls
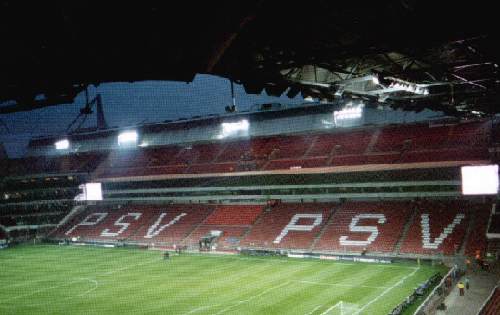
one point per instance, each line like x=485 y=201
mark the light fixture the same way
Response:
x=62 y=144
x=239 y=128
x=349 y=112
x=127 y=138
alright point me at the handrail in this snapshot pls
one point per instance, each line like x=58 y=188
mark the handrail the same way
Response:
x=433 y=292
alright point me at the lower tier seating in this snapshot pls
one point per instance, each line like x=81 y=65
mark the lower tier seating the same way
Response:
x=438 y=227
x=476 y=243
x=359 y=226
x=430 y=227
x=145 y=224
x=231 y=235
x=289 y=226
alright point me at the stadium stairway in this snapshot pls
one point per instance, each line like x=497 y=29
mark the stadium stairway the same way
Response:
x=323 y=229
x=406 y=228
x=73 y=212
x=471 y=225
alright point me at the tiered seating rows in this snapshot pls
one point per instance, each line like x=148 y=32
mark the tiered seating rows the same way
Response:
x=438 y=227
x=234 y=221
x=83 y=162
x=393 y=144
x=388 y=217
x=441 y=224
x=493 y=304
x=477 y=243
x=270 y=231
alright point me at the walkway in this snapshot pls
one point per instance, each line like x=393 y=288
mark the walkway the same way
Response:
x=481 y=284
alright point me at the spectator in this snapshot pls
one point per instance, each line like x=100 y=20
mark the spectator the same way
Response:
x=460 y=287
x=467 y=283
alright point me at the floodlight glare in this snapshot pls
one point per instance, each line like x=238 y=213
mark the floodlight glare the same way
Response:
x=234 y=129
x=352 y=112
x=236 y=126
x=480 y=180
x=127 y=138
x=62 y=144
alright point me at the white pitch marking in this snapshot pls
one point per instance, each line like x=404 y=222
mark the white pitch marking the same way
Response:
x=201 y=309
x=387 y=290
x=75 y=281
x=340 y=285
x=96 y=284
x=314 y=310
x=252 y=297
x=331 y=308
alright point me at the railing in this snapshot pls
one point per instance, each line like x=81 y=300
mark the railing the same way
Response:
x=487 y=301
x=438 y=294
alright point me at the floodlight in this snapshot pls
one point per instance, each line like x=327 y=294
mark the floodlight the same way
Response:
x=93 y=191
x=127 y=138
x=234 y=129
x=62 y=144
x=480 y=180
x=348 y=113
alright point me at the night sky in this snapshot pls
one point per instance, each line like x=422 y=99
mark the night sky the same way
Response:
x=128 y=104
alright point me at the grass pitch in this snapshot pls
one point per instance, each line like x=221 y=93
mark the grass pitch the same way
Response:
x=49 y=279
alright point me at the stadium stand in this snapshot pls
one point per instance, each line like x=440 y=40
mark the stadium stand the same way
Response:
x=439 y=227
x=234 y=221
x=492 y=306
x=3 y=235
x=73 y=163
x=385 y=145
x=477 y=242
x=140 y=223
x=495 y=223
x=356 y=226
x=289 y=225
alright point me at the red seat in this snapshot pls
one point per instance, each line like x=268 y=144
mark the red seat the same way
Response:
x=270 y=231
x=443 y=222
x=387 y=218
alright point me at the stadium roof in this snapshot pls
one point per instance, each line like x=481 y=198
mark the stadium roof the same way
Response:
x=405 y=53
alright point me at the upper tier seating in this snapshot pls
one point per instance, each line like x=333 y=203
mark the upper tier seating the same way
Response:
x=356 y=226
x=389 y=145
x=74 y=163
x=383 y=145
x=439 y=227
x=289 y=226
